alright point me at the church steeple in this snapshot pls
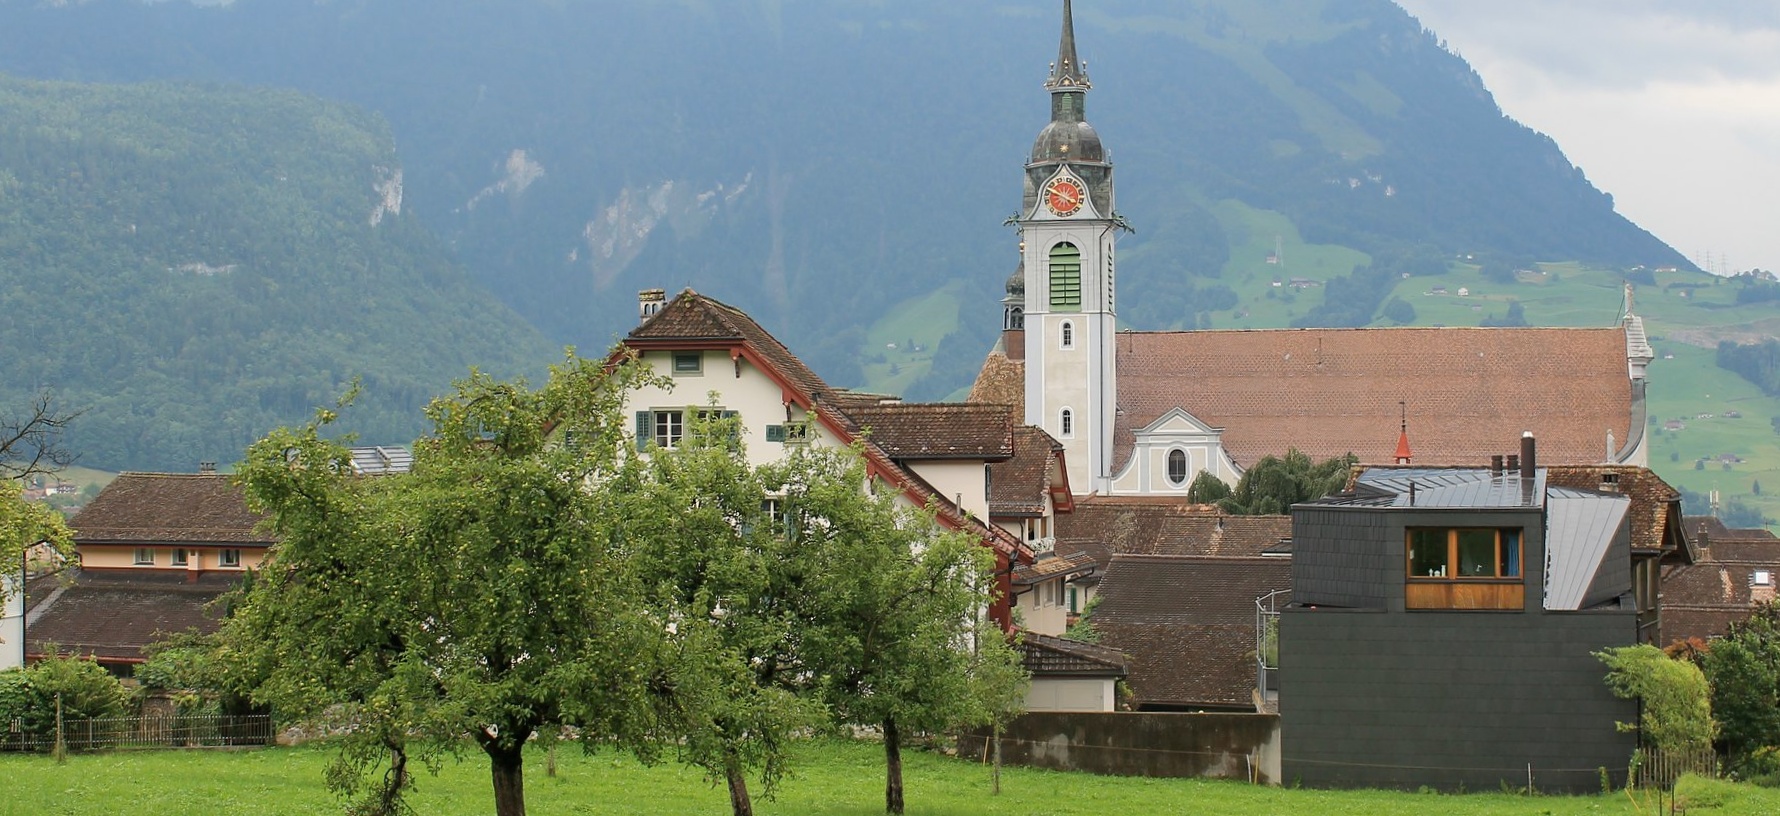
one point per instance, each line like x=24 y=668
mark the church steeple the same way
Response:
x=1067 y=231
x=1068 y=72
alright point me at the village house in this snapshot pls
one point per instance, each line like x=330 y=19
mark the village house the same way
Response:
x=1737 y=571
x=1443 y=624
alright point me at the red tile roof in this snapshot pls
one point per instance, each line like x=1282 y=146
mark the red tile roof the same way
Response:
x=937 y=430
x=1002 y=382
x=1329 y=392
x=169 y=508
x=1104 y=526
x=1017 y=486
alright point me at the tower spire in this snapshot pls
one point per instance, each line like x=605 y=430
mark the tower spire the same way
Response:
x=1068 y=72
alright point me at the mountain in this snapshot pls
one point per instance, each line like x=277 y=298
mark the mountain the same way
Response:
x=194 y=265
x=841 y=168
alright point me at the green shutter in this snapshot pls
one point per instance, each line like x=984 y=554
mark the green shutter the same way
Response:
x=645 y=430
x=775 y=433
x=1066 y=276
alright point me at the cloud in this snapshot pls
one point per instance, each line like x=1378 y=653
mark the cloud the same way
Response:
x=1614 y=42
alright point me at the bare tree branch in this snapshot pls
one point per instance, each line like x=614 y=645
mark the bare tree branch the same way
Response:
x=31 y=439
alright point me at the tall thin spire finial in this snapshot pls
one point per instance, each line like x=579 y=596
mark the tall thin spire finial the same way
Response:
x=1068 y=72
x=1404 y=455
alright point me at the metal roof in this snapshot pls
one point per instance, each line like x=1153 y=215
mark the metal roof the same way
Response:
x=1445 y=489
x=376 y=460
x=1579 y=529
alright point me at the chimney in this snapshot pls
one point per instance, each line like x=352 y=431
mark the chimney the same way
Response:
x=1514 y=463
x=207 y=468
x=649 y=303
x=1496 y=465
x=1528 y=462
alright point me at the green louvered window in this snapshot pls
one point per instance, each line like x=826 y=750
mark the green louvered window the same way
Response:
x=1066 y=276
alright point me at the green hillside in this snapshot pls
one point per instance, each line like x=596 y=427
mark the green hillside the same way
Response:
x=193 y=265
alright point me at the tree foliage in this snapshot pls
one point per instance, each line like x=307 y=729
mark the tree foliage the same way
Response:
x=86 y=690
x=1744 y=670
x=1207 y=489
x=484 y=594
x=1675 y=699
x=1276 y=483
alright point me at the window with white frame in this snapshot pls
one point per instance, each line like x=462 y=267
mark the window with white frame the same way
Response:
x=1066 y=423
x=179 y=557
x=688 y=363
x=145 y=557
x=228 y=558
x=1177 y=467
x=1067 y=335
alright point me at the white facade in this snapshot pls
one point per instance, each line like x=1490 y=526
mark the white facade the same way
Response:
x=1071 y=694
x=1071 y=387
x=726 y=384
x=12 y=622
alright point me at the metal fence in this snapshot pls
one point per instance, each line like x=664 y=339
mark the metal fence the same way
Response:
x=147 y=731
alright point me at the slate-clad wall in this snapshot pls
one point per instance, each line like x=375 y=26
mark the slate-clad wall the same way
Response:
x=1444 y=699
x=1338 y=560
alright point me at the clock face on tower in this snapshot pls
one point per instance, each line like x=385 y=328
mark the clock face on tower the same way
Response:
x=1064 y=197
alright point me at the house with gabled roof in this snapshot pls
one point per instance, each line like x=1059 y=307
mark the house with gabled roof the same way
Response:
x=1443 y=623
x=1737 y=571
x=154 y=551
x=1069 y=675
x=715 y=358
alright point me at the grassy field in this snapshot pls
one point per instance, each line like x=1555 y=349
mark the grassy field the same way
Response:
x=831 y=778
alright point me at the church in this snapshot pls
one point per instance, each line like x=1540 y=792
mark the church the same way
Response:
x=1143 y=413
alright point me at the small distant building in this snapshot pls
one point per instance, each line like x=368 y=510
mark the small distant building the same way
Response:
x=1069 y=675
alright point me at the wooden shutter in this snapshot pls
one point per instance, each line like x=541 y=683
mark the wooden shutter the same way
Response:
x=645 y=430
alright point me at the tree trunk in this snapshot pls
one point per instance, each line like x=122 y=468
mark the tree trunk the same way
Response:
x=892 y=767
x=507 y=765
x=739 y=804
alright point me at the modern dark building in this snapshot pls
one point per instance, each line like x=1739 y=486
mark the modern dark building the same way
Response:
x=1443 y=627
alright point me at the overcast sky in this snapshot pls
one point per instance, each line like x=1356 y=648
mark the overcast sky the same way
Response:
x=1672 y=106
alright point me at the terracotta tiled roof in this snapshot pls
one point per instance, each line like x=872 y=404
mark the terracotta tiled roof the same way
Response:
x=1656 y=507
x=154 y=508
x=1188 y=625
x=694 y=317
x=1047 y=656
x=1052 y=565
x=1702 y=599
x=1001 y=382
x=937 y=430
x=1104 y=526
x=114 y=615
x=1017 y=486
x=1329 y=392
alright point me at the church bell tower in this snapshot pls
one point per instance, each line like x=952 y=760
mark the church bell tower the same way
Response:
x=1067 y=228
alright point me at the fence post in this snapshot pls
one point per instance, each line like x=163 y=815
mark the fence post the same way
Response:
x=61 y=748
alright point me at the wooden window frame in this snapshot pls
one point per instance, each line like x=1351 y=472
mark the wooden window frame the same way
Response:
x=1453 y=591
x=697 y=359
x=1065 y=282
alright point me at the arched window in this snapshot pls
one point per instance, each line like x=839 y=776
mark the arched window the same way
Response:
x=1067 y=424
x=1177 y=467
x=1068 y=335
x=1066 y=276
x=1016 y=319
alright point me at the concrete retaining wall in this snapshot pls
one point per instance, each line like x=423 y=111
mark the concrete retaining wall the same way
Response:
x=1217 y=746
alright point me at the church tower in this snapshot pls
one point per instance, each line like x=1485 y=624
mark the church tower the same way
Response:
x=1067 y=229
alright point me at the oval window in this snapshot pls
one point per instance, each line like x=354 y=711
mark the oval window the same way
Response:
x=1177 y=467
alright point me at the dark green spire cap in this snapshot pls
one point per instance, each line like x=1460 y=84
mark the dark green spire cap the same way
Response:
x=1068 y=73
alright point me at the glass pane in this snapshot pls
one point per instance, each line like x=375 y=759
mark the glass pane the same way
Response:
x=1427 y=553
x=1510 y=554
x=1477 y=553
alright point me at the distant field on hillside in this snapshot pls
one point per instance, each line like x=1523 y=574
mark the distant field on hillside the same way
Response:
x=830 y=778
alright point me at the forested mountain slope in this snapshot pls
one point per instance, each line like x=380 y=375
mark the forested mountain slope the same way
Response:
x=819 y=163
x=193 y=265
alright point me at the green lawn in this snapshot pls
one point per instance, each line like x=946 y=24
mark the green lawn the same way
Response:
x=831 y=779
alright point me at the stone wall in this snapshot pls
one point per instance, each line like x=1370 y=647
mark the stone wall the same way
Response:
x=1217 y=746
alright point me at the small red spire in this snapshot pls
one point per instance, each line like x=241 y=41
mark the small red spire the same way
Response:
x=1403 y=453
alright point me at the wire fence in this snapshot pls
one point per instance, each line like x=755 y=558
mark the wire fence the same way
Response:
x=1656 y=769
x=154 y=730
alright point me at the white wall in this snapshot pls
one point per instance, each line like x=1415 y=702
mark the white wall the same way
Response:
x=12 y=622
x=953 y=479
x=1070 y=694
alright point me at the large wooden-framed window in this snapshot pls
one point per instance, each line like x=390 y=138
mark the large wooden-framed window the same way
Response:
x=1464 y=568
